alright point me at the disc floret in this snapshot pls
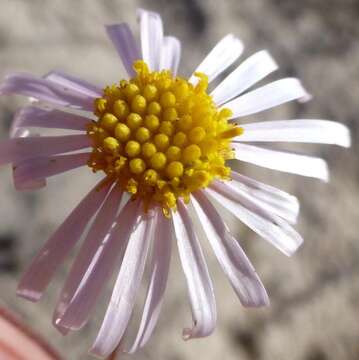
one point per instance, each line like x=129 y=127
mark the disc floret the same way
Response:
x=160 y=137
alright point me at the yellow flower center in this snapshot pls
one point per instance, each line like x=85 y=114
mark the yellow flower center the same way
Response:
x=160 y=137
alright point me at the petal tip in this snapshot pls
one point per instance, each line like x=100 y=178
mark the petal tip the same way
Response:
x=345 y=139
x=306 y=97
x=28 y=294
x=61 y=329
x=187 y=334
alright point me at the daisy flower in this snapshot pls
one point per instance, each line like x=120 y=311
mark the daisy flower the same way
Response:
x=162 y=143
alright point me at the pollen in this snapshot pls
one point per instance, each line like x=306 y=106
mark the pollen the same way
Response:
x=160 y=137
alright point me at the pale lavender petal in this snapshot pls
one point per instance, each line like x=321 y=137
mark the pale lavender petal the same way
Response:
x=276 y=201
x=151 y=37
x=266 y=97
x=102 y=263
x=198 y=280
x=74 y=83
x=18 y=149
x=301 y=130
x=84 y=264
x=269 y=226
x=32 y=116
x=233 y=260
x=36 y=169
x=17 y=131
x=223 y=55
x=170 y=54
x=39 y=274
x=282 y=161
x=123 y=297
x=29 y=185
x=252 y=70
x=125 y=44
x=45 y=90
x=161 y=256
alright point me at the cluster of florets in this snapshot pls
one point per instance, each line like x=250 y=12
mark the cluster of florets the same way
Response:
x=160 y=136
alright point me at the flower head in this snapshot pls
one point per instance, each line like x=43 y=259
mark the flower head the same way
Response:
x=160 y=137
x=162 y=143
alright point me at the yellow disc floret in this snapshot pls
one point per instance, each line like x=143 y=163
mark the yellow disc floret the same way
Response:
x=160 y=137
x=122 y=132
x=134 y=121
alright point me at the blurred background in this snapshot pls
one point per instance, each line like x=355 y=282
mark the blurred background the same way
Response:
x=315 y=294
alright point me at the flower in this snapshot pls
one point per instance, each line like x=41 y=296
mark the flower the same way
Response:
x=162 y=143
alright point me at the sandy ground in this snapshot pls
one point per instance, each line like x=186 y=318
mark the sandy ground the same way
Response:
x=315 y=294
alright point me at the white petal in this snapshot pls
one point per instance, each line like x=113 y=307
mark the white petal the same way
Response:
x=122 y=301
x=252 y=70
x=282 y=161
x=306 y=131
x=223 y=55
x=198 y=280
x=151 y=38
x=277 y=201
x=161 y=256
x=266 y=97
x=233 y=260
x=269 y=226
x=170 y=54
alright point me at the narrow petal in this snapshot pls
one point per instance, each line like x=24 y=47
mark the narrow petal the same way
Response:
x=51 y=256
x=84 y=266
x=282 y=161
x=28 y=185
x=306 y=131
x=269 y=226
x=233 y=260
x=159 y=268
x=46 y=90
x=170 y=54
x=241 y=192
x=266 y=97
x=96 y=265
x=32 y=116
x=251 y=71
x=16 y=128
x=151 y=38
x=123 y=297
x=17 y=131
x=223 y=55
x=40 y=168
x=74 y=83
x=125 y=44
x=18 y=149
x=277 y=201
x=198 y=280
